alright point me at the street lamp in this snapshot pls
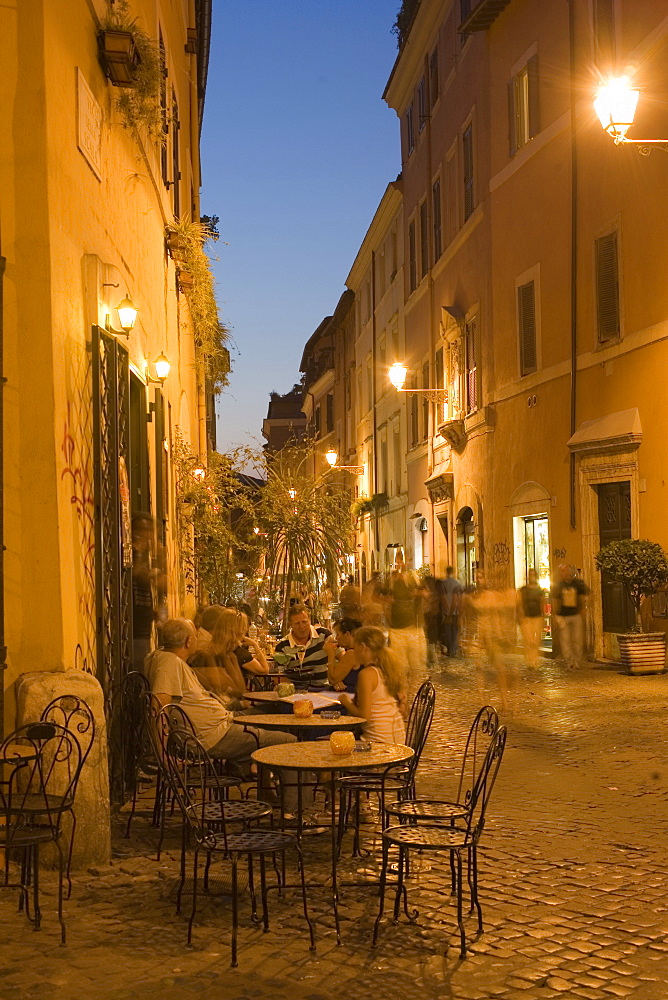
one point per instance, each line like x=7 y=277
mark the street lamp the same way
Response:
x=332 y=456
x=615 y=104
x=398 y=373
x=127 y=314
x=162 y=367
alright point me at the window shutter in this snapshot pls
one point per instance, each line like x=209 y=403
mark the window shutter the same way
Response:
x=532 y=72
x=471 y=370
x=512 y=141
x=607 y=287
x=604 y=29
x=439 y=382
x=526 y=309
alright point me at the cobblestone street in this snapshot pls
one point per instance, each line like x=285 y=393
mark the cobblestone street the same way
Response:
x=572 y=879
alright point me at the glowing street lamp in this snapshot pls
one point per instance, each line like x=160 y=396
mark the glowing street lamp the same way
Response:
x=397 y=375
x=615 y=104
x=127 y=314
x=332 y=457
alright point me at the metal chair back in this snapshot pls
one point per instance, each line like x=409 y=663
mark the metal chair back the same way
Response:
x=483 y=728
x=73 y=713
x=45 y=761
x=419 y=723
x=194 y=783
x=484 y=785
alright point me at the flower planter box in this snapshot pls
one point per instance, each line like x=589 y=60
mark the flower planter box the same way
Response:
x=643 y=652
x=119 y=57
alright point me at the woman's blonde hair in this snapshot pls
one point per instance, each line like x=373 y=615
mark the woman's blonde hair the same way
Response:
x=386 y=659
x=229 y=630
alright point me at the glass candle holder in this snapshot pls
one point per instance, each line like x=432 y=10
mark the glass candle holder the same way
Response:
x=342 y=743
x=302 y=708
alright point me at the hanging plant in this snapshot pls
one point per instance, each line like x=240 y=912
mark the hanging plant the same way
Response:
x=139 y=106
x=185 y=242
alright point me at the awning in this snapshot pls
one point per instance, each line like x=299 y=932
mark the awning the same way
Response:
x=615 y=432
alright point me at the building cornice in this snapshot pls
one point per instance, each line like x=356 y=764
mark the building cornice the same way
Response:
x=409 y=63
x=389 y=205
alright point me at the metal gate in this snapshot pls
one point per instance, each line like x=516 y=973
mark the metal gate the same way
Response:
x=113 y=538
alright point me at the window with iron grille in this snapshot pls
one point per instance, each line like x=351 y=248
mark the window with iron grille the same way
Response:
x=526 y=322
x=415 y=431
x=410 y=129
x=471 y=367
x=439 y=383
x=422 y=104
x=176 y=157
x=464 y=11
x=434 y=83
x=467 y=153
x=397 y=459
x=436 y=219
x=316 y=422
x=523 y=106
x=424 y=239
x=605 y=42
x=607 y=288
x=330 y=412
x=412 y=258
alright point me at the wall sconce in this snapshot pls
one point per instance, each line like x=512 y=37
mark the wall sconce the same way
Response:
x=162 y=369
x=615 y=104
x=332 y=457
x=398 y=373
x=127 y=315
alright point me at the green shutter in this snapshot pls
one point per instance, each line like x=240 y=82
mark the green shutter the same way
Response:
x=526 y=311
x=607 y=288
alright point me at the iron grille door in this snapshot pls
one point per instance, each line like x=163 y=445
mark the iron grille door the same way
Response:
x=113 y=539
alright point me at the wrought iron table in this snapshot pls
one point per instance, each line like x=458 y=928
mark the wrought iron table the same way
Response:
x=318 y=757
x=298 y=724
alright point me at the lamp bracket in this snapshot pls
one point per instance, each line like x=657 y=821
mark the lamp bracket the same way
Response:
x=433 y=395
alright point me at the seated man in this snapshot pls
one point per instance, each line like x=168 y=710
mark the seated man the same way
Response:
x=311 y=638
x=173 y=681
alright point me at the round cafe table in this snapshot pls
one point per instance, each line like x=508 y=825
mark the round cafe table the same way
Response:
x=317 y=756
x=299 y=725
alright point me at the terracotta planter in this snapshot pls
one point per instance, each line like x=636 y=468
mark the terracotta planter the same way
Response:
x=643 y=652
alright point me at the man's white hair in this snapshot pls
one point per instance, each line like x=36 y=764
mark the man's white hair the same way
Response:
x=175 y=632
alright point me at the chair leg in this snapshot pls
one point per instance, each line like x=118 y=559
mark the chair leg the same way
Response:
x=263 y=893
x=356 y=838
x=400 y=883
x=60 y=892
x=235 y=914
x=383 y=882
x=460 y=918
x=69 y=855
x=179 y=892
x=194 y=906
x=344 y=805
x=475 y=901
x=207 y=866
x=251 y=889
x=35 y=887
x=300 y=862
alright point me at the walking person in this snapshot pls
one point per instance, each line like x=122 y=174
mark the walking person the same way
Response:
x=531 y=615
x=570 y=598
x=432 y=616
x=451 y=606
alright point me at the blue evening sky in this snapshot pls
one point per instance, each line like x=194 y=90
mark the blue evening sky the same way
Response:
x=297 y=149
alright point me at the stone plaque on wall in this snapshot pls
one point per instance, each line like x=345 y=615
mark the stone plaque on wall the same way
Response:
x=89 y=125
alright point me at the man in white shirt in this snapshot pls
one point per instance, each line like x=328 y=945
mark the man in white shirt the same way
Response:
x=173 y=681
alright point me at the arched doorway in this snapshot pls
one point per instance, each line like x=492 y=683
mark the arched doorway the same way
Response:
x=466 y=547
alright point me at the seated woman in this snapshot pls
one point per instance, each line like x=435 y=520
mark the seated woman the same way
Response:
x=342 y=664
x=380 y=696
x=216 y=666
x=247 y=651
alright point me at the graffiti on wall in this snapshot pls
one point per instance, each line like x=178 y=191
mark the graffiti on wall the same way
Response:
x=501 y=554
x=77 y=472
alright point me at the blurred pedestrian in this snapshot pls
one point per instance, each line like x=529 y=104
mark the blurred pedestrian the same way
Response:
x=451 y=605
x=350 y=600
x=431 y=593
x=405 y=639
x=494 y=609
x=372 y=602
x=531 y=615
x=570 y=601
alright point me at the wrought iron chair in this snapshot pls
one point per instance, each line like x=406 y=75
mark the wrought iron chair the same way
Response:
x=138 y=756
x=206 y=815
x=460 y=838
x=45 y=762
x=397 y=782
x=74 y=714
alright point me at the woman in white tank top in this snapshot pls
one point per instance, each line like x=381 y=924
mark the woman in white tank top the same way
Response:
x=379 y=697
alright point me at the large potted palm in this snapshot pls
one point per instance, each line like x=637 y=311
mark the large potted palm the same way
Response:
x=642 y=567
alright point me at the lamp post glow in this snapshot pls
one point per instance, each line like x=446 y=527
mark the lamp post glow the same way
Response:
x=162 y=367
x=331 y=457
x=398 y=373
x=127 y=314
x=615 y=104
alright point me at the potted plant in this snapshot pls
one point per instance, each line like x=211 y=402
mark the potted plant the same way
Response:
x=132 y=61
x=642 y=567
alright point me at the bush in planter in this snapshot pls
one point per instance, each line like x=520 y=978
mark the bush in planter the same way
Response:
x=140 y=105
x=641 y=565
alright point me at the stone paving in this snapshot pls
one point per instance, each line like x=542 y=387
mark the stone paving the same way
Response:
x=572 y=872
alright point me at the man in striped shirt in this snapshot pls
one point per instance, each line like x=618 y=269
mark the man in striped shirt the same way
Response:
x=310 y=638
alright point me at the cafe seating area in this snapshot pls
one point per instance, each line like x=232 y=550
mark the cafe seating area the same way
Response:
x=367 y=796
